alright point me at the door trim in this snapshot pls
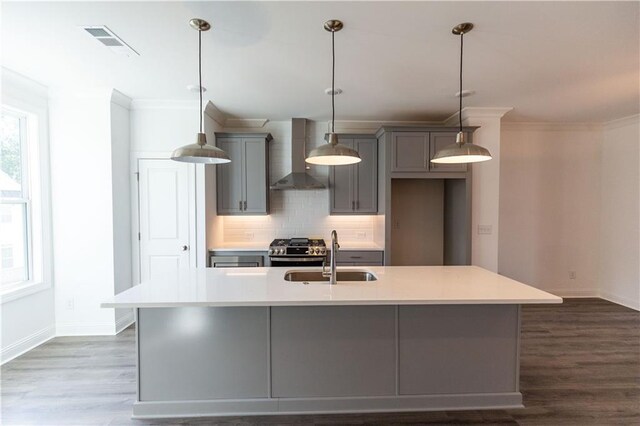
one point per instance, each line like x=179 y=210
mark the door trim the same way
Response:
x=193 y=179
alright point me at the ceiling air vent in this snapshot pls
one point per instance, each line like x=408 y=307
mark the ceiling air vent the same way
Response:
x=108 y=38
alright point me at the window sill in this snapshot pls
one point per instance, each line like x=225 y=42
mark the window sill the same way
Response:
x=23 y=290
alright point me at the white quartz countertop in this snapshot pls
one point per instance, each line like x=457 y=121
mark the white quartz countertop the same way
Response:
x=396 y=285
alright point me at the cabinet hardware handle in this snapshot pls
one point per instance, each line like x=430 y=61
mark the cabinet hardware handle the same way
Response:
x=355 y=257
x=353 y=205
x=358 y=205
x=245 y=206
x=240 y=205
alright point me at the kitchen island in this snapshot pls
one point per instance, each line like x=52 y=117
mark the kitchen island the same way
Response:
x=244 y=341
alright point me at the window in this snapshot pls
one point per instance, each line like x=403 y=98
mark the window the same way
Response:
x=15 y=202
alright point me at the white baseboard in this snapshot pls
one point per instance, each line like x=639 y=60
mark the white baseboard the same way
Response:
x=573 y=293
x=85 y=329
x=124 y=321
x=621 y=300
x=26 y=344
x=106 y=328
x=584 y=293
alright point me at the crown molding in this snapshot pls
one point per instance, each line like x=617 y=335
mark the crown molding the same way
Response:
x=478 y=112
x=550 y=126
x=121 y=99
x=138 y=104
x=12 y=79
x=622 y=122
x=245 y=123
x=212 y=111
x=365 y=126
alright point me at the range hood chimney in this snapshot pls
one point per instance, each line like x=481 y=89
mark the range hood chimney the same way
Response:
x=298 y=178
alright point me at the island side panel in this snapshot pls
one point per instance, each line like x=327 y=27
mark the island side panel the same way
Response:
x=333 y=351
x=459 y=349
x=197 y=353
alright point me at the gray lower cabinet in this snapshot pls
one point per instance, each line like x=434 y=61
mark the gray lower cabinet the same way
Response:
x=242 y=186
x=354 y=189
x=360 y=258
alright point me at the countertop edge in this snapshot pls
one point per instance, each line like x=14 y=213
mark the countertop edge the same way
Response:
x=559 y=300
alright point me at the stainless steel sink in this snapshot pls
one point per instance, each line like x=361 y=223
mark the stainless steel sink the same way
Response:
x=314 y=276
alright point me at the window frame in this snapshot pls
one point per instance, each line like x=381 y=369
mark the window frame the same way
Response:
x=35 y=198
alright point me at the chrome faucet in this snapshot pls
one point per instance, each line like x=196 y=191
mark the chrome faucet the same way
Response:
x=332 y=274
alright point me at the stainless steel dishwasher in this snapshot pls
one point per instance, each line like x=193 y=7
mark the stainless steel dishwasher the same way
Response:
x=235 y=261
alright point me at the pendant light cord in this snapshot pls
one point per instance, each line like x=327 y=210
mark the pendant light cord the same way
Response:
x=200 y=74
x=333 y=78
x=460 y=108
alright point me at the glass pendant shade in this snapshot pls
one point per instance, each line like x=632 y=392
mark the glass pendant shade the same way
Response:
x=333 y=154
x=200 y=153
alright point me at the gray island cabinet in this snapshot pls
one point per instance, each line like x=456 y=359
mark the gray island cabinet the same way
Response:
x=238 y=342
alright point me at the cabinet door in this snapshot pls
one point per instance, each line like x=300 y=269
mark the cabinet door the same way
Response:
x=366 y=176
x=438 y=141
x=229 y=177
x=341 y=183
x=255 y=176
x=410 y=152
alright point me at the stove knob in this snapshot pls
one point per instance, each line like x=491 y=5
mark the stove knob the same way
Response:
x=281 y=251
x=270 y=251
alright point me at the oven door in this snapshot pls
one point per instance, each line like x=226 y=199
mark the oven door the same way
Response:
x=296 y=261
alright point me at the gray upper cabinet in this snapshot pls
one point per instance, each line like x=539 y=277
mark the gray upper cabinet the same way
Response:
x=438 y=141
x=410 y=152
x=242 y=186
x=354 y=189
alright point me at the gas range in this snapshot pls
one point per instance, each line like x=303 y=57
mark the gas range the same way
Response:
x=304 y=251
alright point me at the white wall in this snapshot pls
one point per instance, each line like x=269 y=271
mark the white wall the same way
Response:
x=28 y=320
x=88 y=211
x=620 y=215
x=550 y=206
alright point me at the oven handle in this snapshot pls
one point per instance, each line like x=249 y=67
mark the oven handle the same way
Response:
x=297 y=259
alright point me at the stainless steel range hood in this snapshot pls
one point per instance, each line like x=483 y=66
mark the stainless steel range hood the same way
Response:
x=298 y=178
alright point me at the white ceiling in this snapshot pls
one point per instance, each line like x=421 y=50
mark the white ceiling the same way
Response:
x=552 y=61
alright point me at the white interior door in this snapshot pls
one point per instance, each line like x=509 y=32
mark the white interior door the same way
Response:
x=164 y=218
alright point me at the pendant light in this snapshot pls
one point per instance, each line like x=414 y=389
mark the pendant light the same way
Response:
x=461 y=151
x=333 y=153
x=200 y=152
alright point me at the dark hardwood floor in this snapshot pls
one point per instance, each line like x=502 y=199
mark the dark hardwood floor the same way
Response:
x=580 y=365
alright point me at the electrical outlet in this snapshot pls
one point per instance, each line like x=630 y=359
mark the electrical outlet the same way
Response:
x=70 y=304
x=361 y=235
x=572 y=275
x=485 y=229
x=248 y=235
